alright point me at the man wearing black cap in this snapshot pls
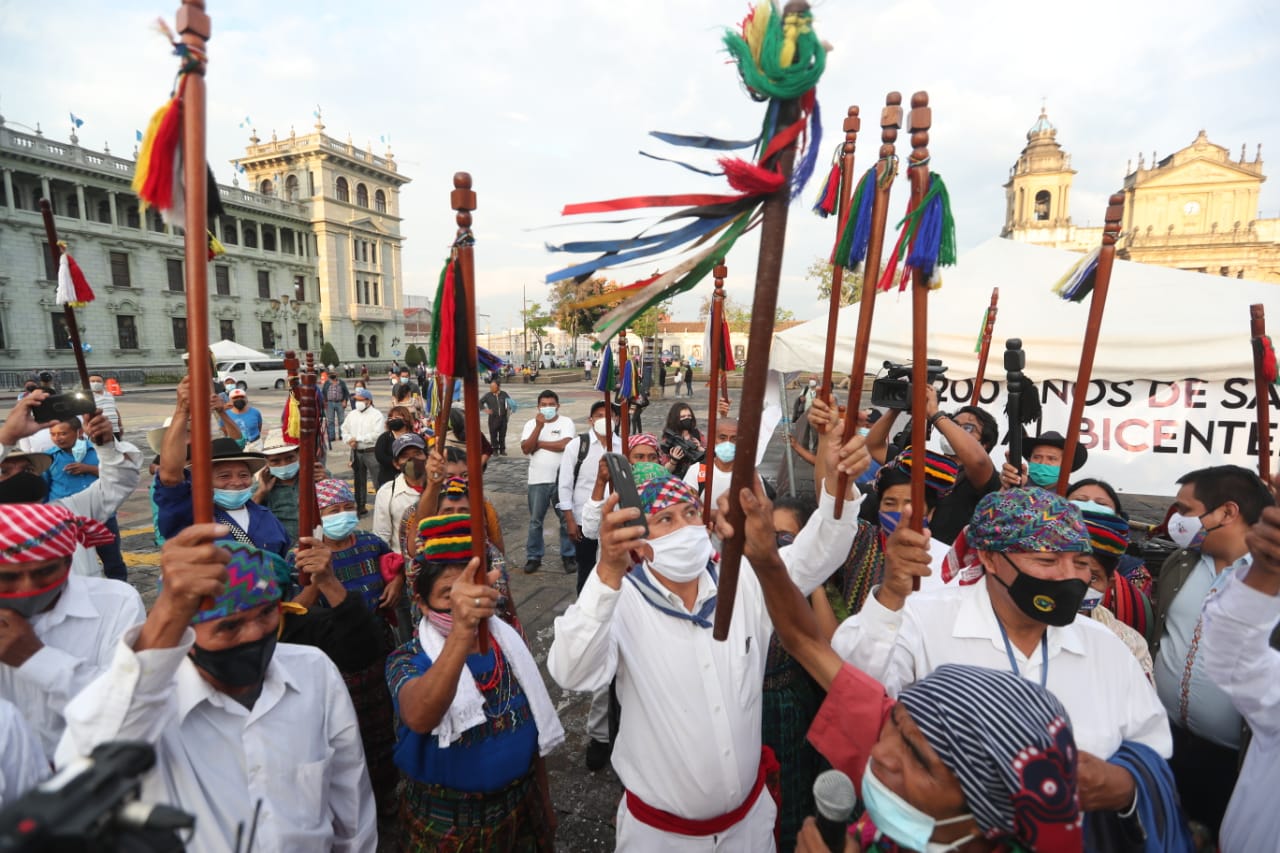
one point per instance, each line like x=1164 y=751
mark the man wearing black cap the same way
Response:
x=233 y=487
x=400 y=495
x=1044 y=462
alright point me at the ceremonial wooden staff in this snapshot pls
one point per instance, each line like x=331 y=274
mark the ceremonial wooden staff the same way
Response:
x=73 y=328
x=987 y=328
x=886 y=169
x=1097 y=304
x=918 y=173
x=194 y=27
x=444 y=385
x=624 y=409
x=852 y=124
x=309 y=434
x=463 y=200
x=764 y=307
x=716 y=364
x=1262 y=387
x=606 y=367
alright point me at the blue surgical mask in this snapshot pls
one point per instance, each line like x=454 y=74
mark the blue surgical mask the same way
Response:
x=284 y=472
x=339 y=525
x=889 y=521
x=897 y=819
x=549 y=412
x=725 y=451
x=864 y=431
x=1044 y=476
x=232 y=498
x=1094 y=506
x=80 y=449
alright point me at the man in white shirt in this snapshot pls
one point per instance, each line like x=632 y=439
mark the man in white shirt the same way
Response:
x=688 y=749
x=543 y=440
x=245 y=732
x=23 y=764
x=360 y=430
x=723 y=452
x=1213 y=510
x=1014 y=608
x=400 y=496
x=1238 y=624
x=57 y=628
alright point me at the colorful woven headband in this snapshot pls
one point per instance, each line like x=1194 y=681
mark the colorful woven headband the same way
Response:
x=662 y=492
x=646 y=471
x=32 y=533
x=333 y=491
x=254 y=577
x=1108 y=533
x=454 y=487
x=445 y=538
x=940 y=473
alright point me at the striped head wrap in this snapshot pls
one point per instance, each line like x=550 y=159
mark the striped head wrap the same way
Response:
x=646 y=471
x=32 y=533
x=1108 y=535
x=1016 y=521
x=644 y=439
x=662 y=492
x=454 y=487
x=1009 y=743
x=333 y=491
x=253 y=578
x=445 y=538
x=940 y=473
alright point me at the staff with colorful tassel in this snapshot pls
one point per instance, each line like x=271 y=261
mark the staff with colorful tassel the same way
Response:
x=73 y=289
x=1095 y=277
x=604 y=384
x=716 y=365
x=861 y=243
x=984 y=346
x=839 y=184
x=1264 y=376
x=625 y=391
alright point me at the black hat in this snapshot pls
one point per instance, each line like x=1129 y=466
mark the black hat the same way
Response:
x=228 y=450
x=1055 y=439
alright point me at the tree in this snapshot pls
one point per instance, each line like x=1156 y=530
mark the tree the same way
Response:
x=329 y=355
x=739 y=315
x=820 y=271
x=414 y=355
x=536 y=321
x=646 y=325
x=567 y=293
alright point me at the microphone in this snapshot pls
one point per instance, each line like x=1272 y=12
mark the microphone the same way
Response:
x=835 y=798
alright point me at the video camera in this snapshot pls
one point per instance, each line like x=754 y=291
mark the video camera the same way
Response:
x=92 y=805
x=690 y=450
x=893 y=390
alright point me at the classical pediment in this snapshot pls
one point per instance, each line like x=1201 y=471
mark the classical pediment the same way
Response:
x=1198 y=171
x=367 y=223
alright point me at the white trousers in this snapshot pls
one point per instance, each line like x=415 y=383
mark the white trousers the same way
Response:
x=753 y=834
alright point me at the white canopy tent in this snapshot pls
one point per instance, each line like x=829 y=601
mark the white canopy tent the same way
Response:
x=1172 y=382
x=231 y=351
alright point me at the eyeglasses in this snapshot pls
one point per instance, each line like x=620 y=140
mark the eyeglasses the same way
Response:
x=972 y=429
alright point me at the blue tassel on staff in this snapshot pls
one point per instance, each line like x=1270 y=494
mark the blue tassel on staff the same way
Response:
x=804 y=169
x=1078 y=283
x=860 y=221
x=933 y=244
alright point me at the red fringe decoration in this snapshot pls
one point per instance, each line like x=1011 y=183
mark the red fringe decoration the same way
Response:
x=84 y=293
x=1269 y=371
x=447 y=315
x=728 y=364
x=750 y=179
x=158 y=189
x=827 y=204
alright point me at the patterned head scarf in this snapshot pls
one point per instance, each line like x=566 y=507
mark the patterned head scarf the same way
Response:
x=445 y=538
x=1009 y=743
x=662 y=492
x=646 y=471
x=1016 y=521
x=253 y=579
x=333 y=491
x=454 y=487
x=32 y=533
x=940 y=473
x=1108 y=535
x=646 y=440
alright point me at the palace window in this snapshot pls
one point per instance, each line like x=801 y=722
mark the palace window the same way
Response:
x=264 y=284
x=179 y=332
x=373 y=346
x=266 y=187
x=61 y=337
x=173 y=268
x=299 y=288
x=50 y=268
x=251 y=237
x=360 y=346
x=302 y=337
x=1042 y=206
x=344 y=194
x=291 y=188
x=126 y=331
x=120 y=269
x=362 y=195
x=380 y=201
x=268 y=336
x=222 y=280
x=227 y=330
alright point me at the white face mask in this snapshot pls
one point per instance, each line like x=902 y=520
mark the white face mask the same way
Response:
x=361 y=405
x=96 y=387
x=1092 y=599
x=1185 y=530
x=599 y=427
x=683 y=554
x=945 y=446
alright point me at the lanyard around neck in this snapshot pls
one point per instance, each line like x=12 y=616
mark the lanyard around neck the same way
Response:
x=1013 y=662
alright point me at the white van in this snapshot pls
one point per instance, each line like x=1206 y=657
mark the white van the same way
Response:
x=254 y=373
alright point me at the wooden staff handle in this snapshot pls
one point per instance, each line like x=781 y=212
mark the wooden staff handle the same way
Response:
x=1097 y=304
x=852 y=124
x=309 y=433
x=624 y=407
x=987 y=329
x=608 y=403
x=886 y=168
x=715 y=362
x=69 y=313
x=764 y=307
x=193 y=26
x=1261 y=390
x=463 y=200
x=918 y=172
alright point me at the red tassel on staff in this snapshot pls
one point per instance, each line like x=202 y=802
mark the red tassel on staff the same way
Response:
x=73 y=287
x=831 y=193
x=447 y=316
x=727 y=363
x=749 y=178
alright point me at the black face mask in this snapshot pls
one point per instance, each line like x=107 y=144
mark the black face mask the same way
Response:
x=23 y=488
x=239 y=666
x=239 y=404
x=687 y=424
x=394 y=424
x=1051 y=602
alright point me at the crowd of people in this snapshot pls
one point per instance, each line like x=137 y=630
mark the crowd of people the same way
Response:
x=1016 y=675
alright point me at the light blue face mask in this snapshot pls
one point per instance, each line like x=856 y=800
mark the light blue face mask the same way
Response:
x=80 y=449
x=339 y=525
x=899 y=820
x=284 y=472
x=549 y=412
x=1094 y=506
x=232 y=498
x=725 y=451
x=889 y=521
x=1044 y=476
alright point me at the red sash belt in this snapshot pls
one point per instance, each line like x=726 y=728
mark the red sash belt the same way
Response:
x=668 y=822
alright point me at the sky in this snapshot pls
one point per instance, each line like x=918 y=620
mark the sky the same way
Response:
x=549 y=103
